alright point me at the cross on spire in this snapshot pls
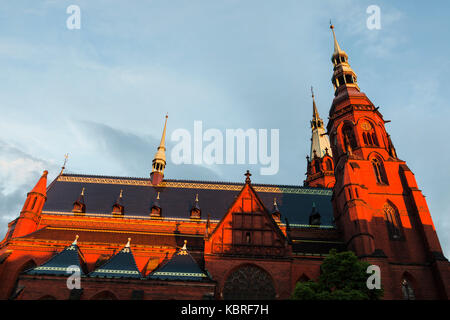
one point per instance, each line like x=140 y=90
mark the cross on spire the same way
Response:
x=248 y=175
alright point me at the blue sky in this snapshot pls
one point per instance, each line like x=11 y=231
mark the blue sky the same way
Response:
x=100 y=93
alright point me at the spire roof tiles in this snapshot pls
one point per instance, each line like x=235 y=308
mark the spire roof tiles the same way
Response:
x=60 y=263
x=180 y=267
x=121 y=265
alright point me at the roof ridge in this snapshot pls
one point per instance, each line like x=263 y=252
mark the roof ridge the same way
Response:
x=195 y=181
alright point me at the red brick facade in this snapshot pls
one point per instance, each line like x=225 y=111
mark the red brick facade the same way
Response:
x=379 y=211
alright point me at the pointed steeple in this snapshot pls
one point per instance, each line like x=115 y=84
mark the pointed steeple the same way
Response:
x=121 y=265
x=41 y=185
x=337 y=49
x=29 y=217
x=180 y=267
x=319 y=139
x=343 y=75
x=62 y=262
x=316 y=120
x=159 y=161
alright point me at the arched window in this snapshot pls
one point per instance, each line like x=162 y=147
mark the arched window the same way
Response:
x=369 y=139
x=369 y=135
x=329 y=165
x=249 y=283
x=374 y=138
x=393 y=221
x=407 y=290
x=34 y=203
x=379 y=171
x=349 y=136
x=365 y=138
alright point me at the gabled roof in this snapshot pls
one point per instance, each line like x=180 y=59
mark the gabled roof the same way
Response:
x=60 y=263
x=121 y=265
x=177 y=197
x=180 y=267
x=257 y=205
x=253 y=231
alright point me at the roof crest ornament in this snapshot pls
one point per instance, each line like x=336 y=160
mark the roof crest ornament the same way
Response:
x=75 y=241
x=66 y=157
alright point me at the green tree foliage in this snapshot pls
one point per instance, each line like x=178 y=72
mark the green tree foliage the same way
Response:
x=343 y=277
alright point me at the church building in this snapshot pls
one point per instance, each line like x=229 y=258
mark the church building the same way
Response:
x=156 y=238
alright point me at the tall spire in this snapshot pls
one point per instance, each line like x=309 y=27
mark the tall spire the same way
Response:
x=343 y=75
x=316 y=121
x=159 y=161
x=162 y=144
x=319 y=140
x=337 y=49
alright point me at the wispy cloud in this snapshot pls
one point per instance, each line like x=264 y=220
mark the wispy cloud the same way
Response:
x=19 y=172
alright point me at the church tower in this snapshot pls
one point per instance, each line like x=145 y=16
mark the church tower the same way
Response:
x=319 y=171
x=377 y=204
x=32 y=209
x=159 y=161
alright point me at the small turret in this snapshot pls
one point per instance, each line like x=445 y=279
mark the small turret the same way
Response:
x=276 y=214
x=196 y=212
x=32 y=209
x=118 y=208
x=79 y=206
x=156 y=210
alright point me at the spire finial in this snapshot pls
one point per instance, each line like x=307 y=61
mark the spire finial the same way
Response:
x=162 y=144
x=184 y=246
x=157 y=196
x=196 y=197
x=316 y=119
x=128 y=243
x=337 y=49
x=82 y=191
x=66 y=156
x=121 y=193
x=274 y=201
x=75 y=241
x=248 y=175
